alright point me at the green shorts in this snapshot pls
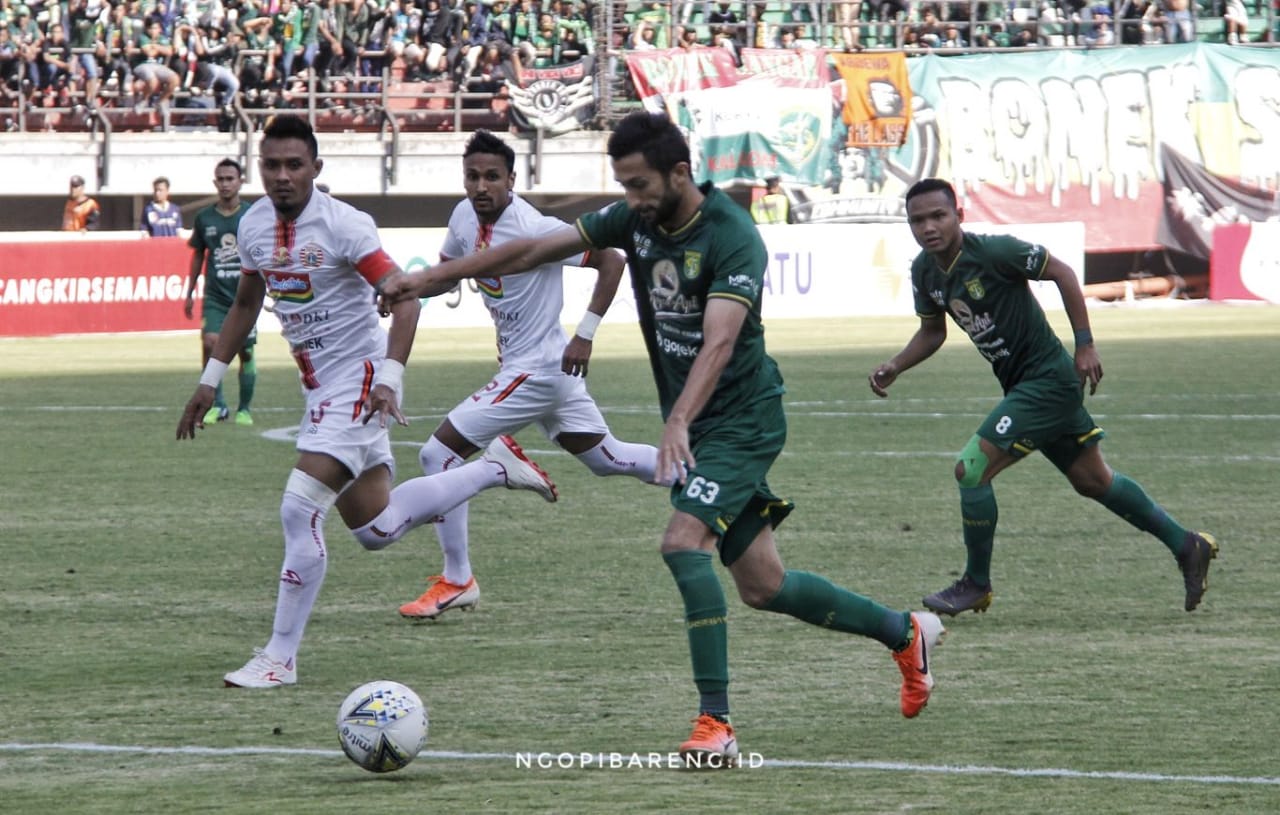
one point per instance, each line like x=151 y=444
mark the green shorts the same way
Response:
x=1045 y=415
x=728 y=490
x=212 y=317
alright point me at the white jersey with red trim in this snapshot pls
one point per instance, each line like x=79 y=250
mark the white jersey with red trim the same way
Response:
x=525 y=307
x=320 y=270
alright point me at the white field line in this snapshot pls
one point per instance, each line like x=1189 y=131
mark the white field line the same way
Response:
x=879 y=766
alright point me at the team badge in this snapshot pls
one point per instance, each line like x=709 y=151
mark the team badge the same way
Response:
x=692 y=265
x=281 y=256
x=311 y=256
x=975 y=289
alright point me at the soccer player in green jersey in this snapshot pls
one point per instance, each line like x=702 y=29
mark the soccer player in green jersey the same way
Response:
x=982 y=282
x=697 y=267
x=213 y=250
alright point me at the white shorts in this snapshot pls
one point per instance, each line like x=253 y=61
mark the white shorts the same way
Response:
x=555 y=402
x=332 y=422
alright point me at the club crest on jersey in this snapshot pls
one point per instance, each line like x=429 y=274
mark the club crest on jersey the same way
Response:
x=975 y=289
x=292 y=287
x=692 y=265
x=492 y=286
x=311 y=256
x=280 y=257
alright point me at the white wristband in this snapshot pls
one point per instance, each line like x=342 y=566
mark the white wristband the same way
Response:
x=391 y=374
x=587 y=327
x=214 y=370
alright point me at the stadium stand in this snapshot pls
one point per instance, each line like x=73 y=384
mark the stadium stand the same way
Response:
x=442 y=65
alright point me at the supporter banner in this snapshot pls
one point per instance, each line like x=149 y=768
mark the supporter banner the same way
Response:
x=656 y=74
x=1196 y=201
x=793 y=67
x=1045 y=136
x=877 y=98
x=77 y=284
x=555 y=100
x=1245 y=262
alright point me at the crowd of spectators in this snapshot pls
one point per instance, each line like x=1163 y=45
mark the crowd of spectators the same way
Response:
x=145 y=54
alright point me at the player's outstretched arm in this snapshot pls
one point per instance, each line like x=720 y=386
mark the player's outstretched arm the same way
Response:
x=512 y=257
x=235 y=328
x=928 y=338
x=610 y=264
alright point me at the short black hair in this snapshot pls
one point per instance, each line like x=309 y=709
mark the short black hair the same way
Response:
x=654 y=136
x=160 y=180
x=292 y=127
x=230 y=162
x=926 y=185
x=482 y=141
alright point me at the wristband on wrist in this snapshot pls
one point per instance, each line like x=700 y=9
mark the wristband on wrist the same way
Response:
x=214 y=370
x=588 y=325
x=1083 y=337
x=391 y=374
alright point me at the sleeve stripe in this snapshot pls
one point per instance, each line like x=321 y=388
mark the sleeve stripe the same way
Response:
x=730 y=296
x=578 y=225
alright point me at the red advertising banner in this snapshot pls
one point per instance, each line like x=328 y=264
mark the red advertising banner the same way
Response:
x=659 y=73
x=86 y=285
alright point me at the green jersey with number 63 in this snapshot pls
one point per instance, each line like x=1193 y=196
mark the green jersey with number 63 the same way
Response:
x=718 y=253
x=986 y=292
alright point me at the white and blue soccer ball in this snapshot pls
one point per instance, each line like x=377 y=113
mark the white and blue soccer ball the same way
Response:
x=382 y=725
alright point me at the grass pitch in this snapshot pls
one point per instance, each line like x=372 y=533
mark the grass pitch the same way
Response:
x=138 y=570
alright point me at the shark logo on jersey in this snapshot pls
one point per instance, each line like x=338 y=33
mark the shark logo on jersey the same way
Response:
x=975 y=288
x=692 y=265
x=292 y=287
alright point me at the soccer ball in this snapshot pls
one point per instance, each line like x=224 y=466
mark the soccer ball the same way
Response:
x=382 y=725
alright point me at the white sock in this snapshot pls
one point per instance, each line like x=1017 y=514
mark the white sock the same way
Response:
x=451 y=526
x=614 y=457
x=423 y=499
x=301 y=575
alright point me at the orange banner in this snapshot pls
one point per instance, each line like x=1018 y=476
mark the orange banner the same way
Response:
x=877 y=98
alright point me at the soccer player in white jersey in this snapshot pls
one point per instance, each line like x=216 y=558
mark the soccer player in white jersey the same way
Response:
x=321 y=260
x=540 y=380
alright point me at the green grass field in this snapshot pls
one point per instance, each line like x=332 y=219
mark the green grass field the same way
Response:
x=137 y=570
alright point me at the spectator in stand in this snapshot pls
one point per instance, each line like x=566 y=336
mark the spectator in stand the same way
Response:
x=310 y=34
x=929 y=33
x=86 y=37
x=359 y=27
x=54 y=66
x=889 y=11
x=80 y=213
x=952 y=38
x=726 y=37
x=258 y=71
x=546 y=43
x=216 y=70
x=439 y=39
x=117 y=33
x=286 y=30
x=379 y=47
x=153 y=80
x=725 y=17
x=1101 y=32
x=10 y=65
x=574 y=17
x=643 y=37
x=1179 y=21
x=656 y=17
x=571 y=50
x=1134 y=27
x=688 y=39
x=27 y=35
x=335 y=55
x=161 y=218
x=1235 y=21
x=493 y=70
x=849 y=16
x=524 y=21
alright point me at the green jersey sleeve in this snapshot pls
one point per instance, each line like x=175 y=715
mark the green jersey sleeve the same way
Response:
x=1015 y=259
x=610 y=226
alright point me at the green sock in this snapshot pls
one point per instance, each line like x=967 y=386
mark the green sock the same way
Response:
x=705 y=616
x=818 y=601
x=248 y=380
x=1127 y=499
x=979 y=514
x=218 y=399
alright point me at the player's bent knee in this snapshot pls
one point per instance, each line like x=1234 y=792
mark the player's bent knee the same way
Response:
x=972 y=463
x=310 y=489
